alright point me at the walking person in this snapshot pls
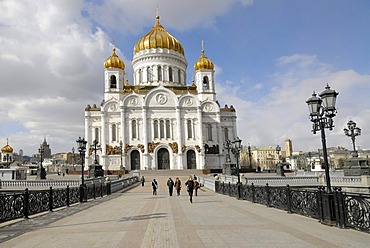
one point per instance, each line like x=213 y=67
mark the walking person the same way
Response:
x=190 y=184
x=196 y=186
x=178 y=186
x=170 y=185
x=142 y=181
x=154 y=186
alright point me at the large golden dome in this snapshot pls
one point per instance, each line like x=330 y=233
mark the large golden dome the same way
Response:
x=203 y=63
x=158 y=37
x=7 y=149
x=114 y=61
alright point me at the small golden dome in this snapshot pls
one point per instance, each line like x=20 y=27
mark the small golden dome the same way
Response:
x=158 y=37
x=203 y=63
x=7 y=148
x=114 y=61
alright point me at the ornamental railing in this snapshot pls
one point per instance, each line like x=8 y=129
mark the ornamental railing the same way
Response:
x=352 y=210
x=28 y=202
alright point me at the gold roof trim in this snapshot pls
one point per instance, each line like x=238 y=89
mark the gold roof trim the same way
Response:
x=114 y=61
x=93 y=108
x=227 y=109
x=158 y=37
x=7 y=148
x=143 y=89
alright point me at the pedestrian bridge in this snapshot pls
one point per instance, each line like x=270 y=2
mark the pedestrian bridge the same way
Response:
x=136 y=218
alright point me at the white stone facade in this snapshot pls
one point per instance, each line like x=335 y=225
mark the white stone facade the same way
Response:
x=159 y=122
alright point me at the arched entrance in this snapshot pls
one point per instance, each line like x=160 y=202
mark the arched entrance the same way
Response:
x=135 y=160
x=191 y=160
x=163 y=158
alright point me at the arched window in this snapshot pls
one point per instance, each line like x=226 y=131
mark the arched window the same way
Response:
x=159 y=73
x=209 y=132
x=149 y=74
x=168 y=129
x=170 y=78
x=161 y=129
x=205 y=83
x=133 y=129
x=155 y=127
x=190 y=130
x=226 y=133
x=114 y=132
x=140 y=76
x=179 y=75
x=96 y=134
x=113 y=82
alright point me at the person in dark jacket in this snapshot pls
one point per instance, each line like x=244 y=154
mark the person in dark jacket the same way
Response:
x=170 y=185
x=190 y=185
x=142 y=181
x=178 y=186
x=154 y=186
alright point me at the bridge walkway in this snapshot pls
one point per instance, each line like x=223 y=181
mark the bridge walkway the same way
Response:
x=136 y=218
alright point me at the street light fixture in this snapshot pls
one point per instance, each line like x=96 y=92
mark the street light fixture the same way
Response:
x=41 y=173
x=121 y=148
x=250 y=157
x=235 y=147
x=322 y=111
x=352 y=132
x=278 y=149
x=81 y=144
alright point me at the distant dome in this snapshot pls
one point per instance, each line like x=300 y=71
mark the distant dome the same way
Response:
x=7 y=149
x=114 y=61
x=203 y=63
x=158 y=37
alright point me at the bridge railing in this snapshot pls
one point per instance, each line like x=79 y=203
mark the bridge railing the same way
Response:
x=351 y=209
x=22 y=204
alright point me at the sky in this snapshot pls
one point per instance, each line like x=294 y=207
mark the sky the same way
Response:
x=269 y=57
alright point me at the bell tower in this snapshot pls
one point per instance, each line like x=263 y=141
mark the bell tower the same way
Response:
x=204 y=77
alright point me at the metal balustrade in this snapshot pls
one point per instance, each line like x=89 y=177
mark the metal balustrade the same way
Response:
x=29 y=202
x=352 y=210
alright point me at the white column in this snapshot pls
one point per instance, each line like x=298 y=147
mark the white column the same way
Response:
x=123 y=136
x=200 y=139
x=103 y=141
x=179 y=138
x=145 y=138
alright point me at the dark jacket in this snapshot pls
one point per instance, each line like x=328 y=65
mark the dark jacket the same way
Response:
x=190 y=184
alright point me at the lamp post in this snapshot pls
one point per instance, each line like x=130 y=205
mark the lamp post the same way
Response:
x=352 y=132
x=73 y=156
x=41 y=173
x=81 y=144
x=235 y=147
x=322 y=111
x=250 y=157
x=278 y=149
x=121 y=148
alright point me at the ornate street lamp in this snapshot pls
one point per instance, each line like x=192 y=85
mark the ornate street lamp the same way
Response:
x=352 y=132
x=81 y=144
x=41 y=173
x=250 y=157
x=235 y=147
x=322 y=111
x=121 y=147
x=73 y=156
x=278 y=149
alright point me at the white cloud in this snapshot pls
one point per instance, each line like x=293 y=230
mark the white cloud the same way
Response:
x=283 y=113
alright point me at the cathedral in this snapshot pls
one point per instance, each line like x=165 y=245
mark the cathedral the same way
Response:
x=158 y=121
